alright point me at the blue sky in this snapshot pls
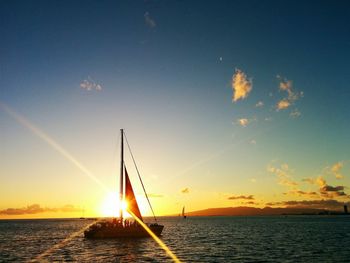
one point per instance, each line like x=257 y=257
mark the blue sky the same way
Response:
x=165 y=70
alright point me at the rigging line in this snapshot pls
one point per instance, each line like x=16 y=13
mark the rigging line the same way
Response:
x=132 y=156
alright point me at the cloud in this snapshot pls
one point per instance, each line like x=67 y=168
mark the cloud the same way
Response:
x=259 y=104
x=88 y=84
x=291 y=97
x=302 y=193
x=329 y=191
x=37 y=209
x=317 y=204
x=185 y=190
x=283 y=104
x=336 y=170
x=308 y=180
x=295 y=114
x=243 y=122
x=241 y=86
x=320 y=181
x=245 y=197
x=286 y=85
x=284 y=175
x=325 y=189
x=154 y=195
x=250 y=203
x=149 y=20
x=253 y=142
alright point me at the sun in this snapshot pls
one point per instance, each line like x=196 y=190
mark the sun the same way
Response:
x=110 y=206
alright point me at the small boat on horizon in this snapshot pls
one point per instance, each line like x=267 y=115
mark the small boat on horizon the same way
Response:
x=121 y=227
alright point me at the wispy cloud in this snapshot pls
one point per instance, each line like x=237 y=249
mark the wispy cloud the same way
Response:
x=303 y=193
x=318 y=204
x=238 y=197
x=241 y=85
x=332 y=191
x=149 y=20
x=250 y=203
x=252 y=142
x=37 y=209
x=185 y=190
x=283 y=104
x=325 y=189
x=291 y=97
x=154 y=195
x=259 y=104
x=295 y=113
x=284 y=175
x=89 y=84
x=243 y=122
x=336 y=170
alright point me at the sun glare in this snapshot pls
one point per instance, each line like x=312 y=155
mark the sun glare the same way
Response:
x=110 y=206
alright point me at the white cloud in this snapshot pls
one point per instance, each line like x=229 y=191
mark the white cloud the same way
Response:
x=241 y=86
x=259 y=104
x=149 y=20
x=295 y=113
x=89 y=84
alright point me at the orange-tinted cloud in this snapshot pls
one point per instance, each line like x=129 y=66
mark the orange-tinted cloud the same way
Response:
x=37 y=209
x=243 y=122
x=185 y=190
x=241 y=85
x=336 y=170
x=154 y=195
x=284 y=175
x=291 y=97
x=318 y=204
x=245 y=197
x=283 y=104
x=302 y=193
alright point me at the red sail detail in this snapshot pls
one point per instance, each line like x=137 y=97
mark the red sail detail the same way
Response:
x=130 y=197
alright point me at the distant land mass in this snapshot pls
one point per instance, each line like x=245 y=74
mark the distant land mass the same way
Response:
x=253 y=211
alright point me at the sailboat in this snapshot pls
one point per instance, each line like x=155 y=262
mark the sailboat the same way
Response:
x=183 y=213
x=121 y=227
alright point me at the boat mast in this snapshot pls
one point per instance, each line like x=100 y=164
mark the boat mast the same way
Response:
x=121 y=175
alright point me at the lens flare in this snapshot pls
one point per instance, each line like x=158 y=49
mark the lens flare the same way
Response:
x=154 y=236
x=55 y=145
x=60 y=244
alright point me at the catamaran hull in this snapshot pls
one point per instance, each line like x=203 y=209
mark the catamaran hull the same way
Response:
x=122 y=232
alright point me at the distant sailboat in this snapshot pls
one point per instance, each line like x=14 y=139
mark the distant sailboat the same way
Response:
x=120 y=227
x=83 y=217
x=183 y=213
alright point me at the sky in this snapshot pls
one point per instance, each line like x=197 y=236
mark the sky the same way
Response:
x=227 y=103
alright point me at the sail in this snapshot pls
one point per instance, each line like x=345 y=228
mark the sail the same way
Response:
x=130 y=197
x=183 y=211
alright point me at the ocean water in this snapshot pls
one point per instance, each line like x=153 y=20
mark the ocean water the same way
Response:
x=196 y=239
